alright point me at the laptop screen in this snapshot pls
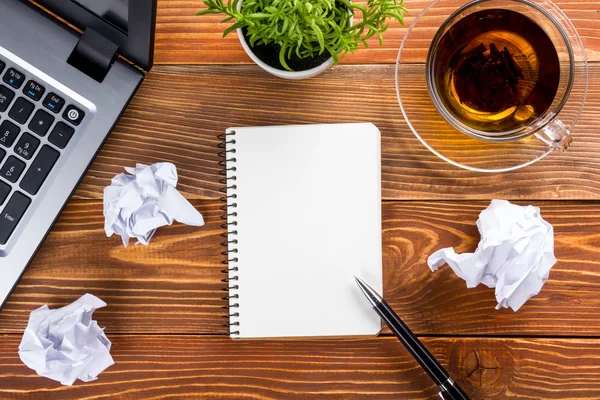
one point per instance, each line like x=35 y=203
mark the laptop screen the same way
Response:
x=115 y=12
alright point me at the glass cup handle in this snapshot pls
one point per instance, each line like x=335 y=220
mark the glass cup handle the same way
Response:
x=556 y=135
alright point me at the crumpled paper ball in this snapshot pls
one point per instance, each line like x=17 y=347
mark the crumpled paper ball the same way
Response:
x=66 y=344
x=138 y=203
x=514 y=255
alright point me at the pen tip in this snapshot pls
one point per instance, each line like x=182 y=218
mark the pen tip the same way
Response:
x=368 y=291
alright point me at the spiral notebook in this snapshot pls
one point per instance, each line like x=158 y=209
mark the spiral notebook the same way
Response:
x=303 y=212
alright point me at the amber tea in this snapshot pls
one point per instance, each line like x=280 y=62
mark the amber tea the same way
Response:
x=495 y=71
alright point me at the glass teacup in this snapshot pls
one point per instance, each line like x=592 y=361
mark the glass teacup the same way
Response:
x=499 y=72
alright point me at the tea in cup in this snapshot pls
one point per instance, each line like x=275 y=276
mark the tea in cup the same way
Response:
x=502 y=70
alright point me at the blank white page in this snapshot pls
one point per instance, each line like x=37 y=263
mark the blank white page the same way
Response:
x=308 y=220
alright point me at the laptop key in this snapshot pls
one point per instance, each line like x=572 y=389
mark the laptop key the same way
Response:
x=14 y=78
x=8 y=133
x=4 y=192
x=2 y=65
x=12 y=169
x=61 y=135
x=73 y=114
x=34 y=90
x=6 y=96
x=26 y=146
x=21 y=110
x=39 y=170
x=2 y=154
x=12 y=214
x=40 y=123
x=54 y=102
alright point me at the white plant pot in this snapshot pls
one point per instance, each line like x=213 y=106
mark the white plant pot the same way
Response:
x=280 y=72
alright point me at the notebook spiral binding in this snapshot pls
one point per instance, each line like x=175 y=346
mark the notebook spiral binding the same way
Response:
x=229 y=209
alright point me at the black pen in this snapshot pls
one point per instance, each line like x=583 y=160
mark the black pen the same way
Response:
x=448 y=389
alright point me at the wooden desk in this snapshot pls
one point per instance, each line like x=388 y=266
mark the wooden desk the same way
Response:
x=164 y=310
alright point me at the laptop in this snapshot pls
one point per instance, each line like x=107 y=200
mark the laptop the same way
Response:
x=64 y=83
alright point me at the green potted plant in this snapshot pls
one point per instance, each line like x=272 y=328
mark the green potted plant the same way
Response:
x=297 y=39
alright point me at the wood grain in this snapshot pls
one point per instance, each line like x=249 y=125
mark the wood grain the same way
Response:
x=184 y=38
x=173 y=286
x=179 y=111
x=159 y=367
x=162 y=297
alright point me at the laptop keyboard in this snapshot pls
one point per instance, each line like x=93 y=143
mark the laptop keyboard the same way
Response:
x=36 y=126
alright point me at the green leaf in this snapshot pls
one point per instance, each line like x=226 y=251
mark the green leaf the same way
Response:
x=282 y=58
x=334 y=55
x=209 y=11
x=319 y=35
x=258 y=16
x=239 y=24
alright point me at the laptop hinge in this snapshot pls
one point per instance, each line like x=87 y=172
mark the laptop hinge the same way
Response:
x=94 y=54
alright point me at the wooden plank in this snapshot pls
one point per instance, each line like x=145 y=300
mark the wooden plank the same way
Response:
x=179 y=111
x=173 y=286
x=157 y=367
x=440 y=302
x=184 y=38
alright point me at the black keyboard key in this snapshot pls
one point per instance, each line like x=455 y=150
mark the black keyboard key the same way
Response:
x=73 y=114
x=26 y=146
x=34 y=90
x=21 y=110
x=14 y=78
x=2 y=65
x=40 y=123
x=12 y=214
x=4 y=192
x=8 y=133
x=39 y=169
x=2 y=154
x=6 y=96
x=12 y=169
x=61 y=135
x=54 y=102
